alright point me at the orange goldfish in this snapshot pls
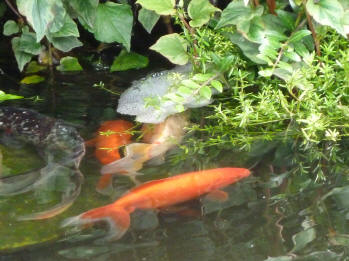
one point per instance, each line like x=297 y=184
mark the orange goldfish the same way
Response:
x=111 y=136
x=159 y=139
x=158 y=194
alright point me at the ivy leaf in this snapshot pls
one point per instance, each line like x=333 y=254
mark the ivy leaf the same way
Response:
x=69 y=28
x=173 y=47
x=236 y=12
x=129 y=60
x=148 y=19
x=43 y=15
x=32 y=79
x=161 y=7
x=205 y=92
x=10 y=27
x=64 y=44
x=114 y=23
x=22 y=58
x=301 y=239
x=28 y=44
x=327 y=12
x=287 y=19
x=249 y=49
x=4 y=96
x=69 y=64
x=200 y=12
x=85 y=11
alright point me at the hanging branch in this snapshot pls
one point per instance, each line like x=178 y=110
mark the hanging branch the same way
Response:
x=313 y=33
x=272 y=6
x=13 y=9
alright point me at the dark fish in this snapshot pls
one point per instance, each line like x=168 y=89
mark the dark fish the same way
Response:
x=60 y=146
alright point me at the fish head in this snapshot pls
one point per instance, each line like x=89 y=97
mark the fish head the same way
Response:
x=232 y=175
x=64 y=144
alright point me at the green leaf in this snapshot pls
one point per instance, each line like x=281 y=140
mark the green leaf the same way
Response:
x=43 y=15
x=236 y=12
x=173 y=47
x=148 y=19
x=34 y=67
x=217 y=85
x=161 y=7
x=129 y=60
x=114 y=23
x=4 y=96
x=22 y=58
x=32 y=79
x=253 y=30
x=299 y=35
x=10 y=27
x=202 y=77
x=190 y=84
x=64 y=44
x=301 y=239
x=85 y=10
x=200 y=12
x=184 y=91
x=300 y=49
x=28 y=44
x=288 y=19
x=249 y=49
x=69 y=28
x=205 y=92
x=327 y=12
x=68 y=64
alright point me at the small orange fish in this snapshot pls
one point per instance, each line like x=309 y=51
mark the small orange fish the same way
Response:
x=158 y=194
x=111 y=136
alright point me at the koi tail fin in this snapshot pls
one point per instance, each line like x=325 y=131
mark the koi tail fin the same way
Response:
x=136 y=155
x=117 y=218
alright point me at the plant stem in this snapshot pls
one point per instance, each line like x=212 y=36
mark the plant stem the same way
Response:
x=313 y=33
x=12 y=8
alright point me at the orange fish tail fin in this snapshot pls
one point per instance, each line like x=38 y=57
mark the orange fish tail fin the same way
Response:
x=117 y=218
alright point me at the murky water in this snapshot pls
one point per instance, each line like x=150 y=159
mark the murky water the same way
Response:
x=259 y=220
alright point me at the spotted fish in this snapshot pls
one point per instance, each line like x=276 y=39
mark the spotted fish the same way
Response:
x=57 y=143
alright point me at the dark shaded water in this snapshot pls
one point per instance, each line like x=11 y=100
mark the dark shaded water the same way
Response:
x=259 y=220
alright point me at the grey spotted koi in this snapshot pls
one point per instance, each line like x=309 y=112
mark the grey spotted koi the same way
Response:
x=58 y=144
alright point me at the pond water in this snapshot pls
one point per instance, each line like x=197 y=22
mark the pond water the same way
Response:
x=264 y=217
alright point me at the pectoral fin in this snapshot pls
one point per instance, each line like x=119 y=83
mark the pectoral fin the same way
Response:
x=217 y=195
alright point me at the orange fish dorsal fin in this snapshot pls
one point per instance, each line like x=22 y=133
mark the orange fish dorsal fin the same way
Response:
x=217 y=195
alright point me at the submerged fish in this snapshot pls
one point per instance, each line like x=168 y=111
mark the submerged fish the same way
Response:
x=60 y=146
x=111 y=136
x=160 y=138
x=158 y=194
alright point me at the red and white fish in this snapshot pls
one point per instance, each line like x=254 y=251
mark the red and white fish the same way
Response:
x=158 y=194
x=158 y=139
x=111 y=136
